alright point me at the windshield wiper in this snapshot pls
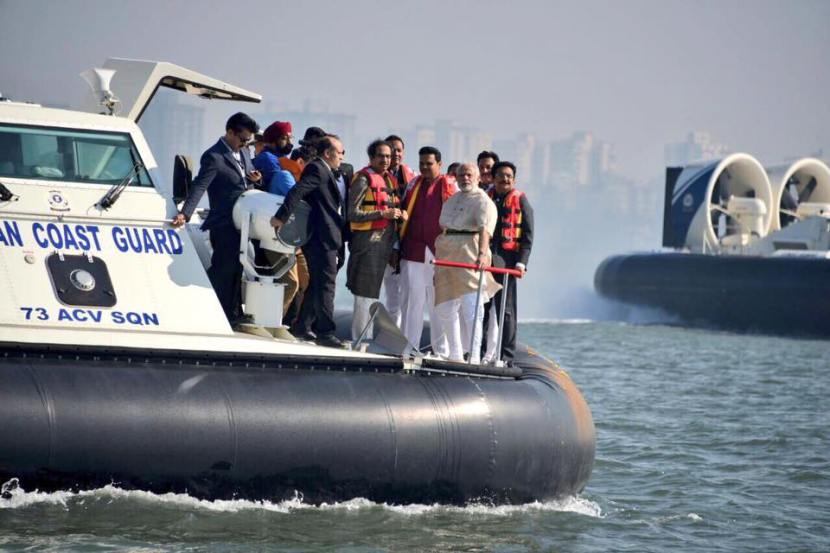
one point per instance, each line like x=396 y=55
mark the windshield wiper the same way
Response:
x=112 y=195
x=6 y=194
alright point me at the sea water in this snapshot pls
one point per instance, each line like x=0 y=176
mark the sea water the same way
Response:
x=706 y=441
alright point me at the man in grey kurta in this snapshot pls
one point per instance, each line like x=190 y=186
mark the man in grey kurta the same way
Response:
x=373 y=212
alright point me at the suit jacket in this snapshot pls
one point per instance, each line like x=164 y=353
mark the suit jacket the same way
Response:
x=327 y=218
x=219 y=175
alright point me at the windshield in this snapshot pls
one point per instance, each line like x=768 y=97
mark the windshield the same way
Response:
x=68 y=155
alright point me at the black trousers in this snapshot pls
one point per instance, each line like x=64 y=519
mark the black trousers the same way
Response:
x=317 y=312
x=508 y=341
x=225 y=272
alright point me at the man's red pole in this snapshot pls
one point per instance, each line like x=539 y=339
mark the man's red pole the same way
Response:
x=500 y=270
x=509 y=272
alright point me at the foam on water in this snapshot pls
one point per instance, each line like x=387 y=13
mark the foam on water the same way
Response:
x=569 y=504
x=557 y=321
x=16 y=498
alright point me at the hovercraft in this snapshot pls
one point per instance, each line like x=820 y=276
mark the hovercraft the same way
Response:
x=119 y=366
x=741 y=253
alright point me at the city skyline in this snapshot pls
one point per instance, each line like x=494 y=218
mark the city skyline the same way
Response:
x=637 y=74
x=581 y=158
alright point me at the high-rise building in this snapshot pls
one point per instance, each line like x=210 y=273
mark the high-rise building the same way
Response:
x=698 y=146
x=506 y=149
x=523 y=160
x=580 y=160
x=425 y=136
x=315 y=113
x=172 y=127
x=477 y=142
x=541 y=166
x=602 y=161
x=456 y=142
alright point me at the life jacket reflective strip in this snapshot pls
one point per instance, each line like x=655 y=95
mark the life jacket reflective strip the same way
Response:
x=511 y=219
x=376 y=198
x=447 y=189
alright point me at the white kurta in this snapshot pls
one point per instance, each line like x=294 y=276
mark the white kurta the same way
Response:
x=457 y=289
x=417 y=292
x=392 y=294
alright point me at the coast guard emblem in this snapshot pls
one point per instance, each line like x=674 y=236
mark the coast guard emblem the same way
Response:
x=57 y=202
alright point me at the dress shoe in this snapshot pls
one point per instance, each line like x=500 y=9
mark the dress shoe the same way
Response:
x=331 y=341
x=243 y=319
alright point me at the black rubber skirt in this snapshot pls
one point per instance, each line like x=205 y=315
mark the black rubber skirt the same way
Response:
x=777 y=295
x=270 y=427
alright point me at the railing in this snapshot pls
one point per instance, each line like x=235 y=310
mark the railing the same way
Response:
x=481 y=270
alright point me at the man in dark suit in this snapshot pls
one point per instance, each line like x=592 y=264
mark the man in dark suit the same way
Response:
x=321 y=186
x=344 y=176
x=225 y=171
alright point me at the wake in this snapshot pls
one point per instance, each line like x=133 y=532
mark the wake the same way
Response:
x=15 y=497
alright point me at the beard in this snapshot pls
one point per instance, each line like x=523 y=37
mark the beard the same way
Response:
x=465 y=187
x=285 y=150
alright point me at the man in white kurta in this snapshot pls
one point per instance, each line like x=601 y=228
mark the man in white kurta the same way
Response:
x=468 y=220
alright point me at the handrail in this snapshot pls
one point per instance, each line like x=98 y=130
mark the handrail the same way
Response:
x=505 y=281
x=498 y=270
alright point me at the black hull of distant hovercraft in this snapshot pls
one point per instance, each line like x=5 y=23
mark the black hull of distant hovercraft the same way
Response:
x=267 y=427
x=773 y=295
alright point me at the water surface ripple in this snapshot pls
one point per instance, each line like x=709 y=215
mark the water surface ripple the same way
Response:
x=707 y=441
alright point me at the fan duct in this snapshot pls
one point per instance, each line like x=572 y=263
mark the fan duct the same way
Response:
x=800 y=190
x=721 y=204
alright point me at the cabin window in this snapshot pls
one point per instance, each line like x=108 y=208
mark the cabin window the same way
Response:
x=46 y=153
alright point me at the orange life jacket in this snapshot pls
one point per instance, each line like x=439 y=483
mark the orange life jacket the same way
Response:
x=377 y=198
x=511 y=219
x=292 y=166
x=408 y=174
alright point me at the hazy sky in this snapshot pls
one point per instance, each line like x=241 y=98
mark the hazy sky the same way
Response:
x=639 y=74
x=636 y=73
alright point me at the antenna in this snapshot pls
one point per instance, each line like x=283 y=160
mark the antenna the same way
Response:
x=99 y=81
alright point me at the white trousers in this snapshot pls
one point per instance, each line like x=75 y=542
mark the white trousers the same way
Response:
x=416 y=290
x=392 y=293
x=460 y=319
x=361 y=317
x=492 y=334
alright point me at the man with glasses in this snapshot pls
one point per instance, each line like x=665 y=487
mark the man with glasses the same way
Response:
x=318 y=186
x=374 y=212
x=511 y=244
x=225 y=171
